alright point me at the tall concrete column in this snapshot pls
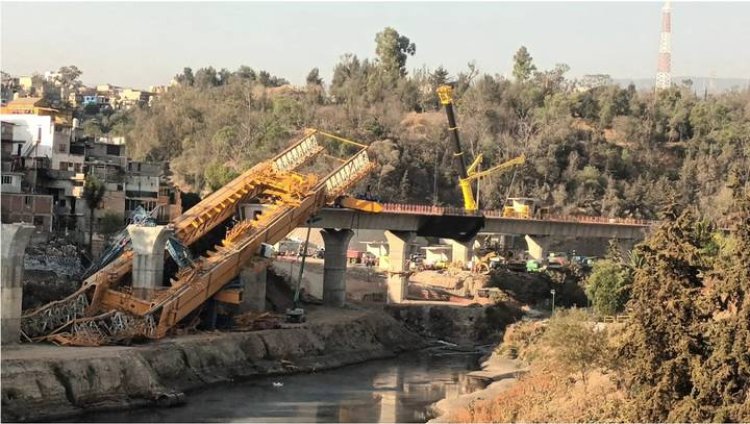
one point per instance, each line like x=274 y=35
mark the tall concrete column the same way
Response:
x=15 y=239
x=148 y=263
x=253 y=277
x=334 y=265
x=462 y=251
x=398 y=256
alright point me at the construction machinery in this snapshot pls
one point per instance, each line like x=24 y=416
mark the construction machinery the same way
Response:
x=520 y=207
x=293 y=186
x=469 y=174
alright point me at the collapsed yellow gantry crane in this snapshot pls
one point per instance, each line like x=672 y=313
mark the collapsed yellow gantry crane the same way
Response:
x=470 y=174
x=102 y=312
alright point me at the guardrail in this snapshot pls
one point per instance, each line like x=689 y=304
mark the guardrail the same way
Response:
x=454 y=211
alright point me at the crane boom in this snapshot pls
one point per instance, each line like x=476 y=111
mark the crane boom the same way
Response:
x=518 y=160
x=469 y=175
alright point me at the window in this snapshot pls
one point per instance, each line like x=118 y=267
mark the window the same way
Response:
x=7 y=179
x=62 y=148
x=63 y=166
x=113 y=150
x=38 y=220
x=27 y=200
x=78 y=167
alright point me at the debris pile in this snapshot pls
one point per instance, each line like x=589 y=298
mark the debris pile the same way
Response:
x=57 y=256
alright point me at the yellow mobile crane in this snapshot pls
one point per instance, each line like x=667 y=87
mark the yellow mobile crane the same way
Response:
x=470 y=174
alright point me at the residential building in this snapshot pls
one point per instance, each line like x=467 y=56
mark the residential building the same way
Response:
x=95 y=99
x=130 y=97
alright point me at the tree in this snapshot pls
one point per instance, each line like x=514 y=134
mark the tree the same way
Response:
x=186 y=77
x=110 y=224
x=68 y=76
x=439 y=77
x=246 y=72
x=206 y=77
x=664 y=335
x=93 y=193
x=608 y=287
x=574 y=342
x=523 y=65
x=392 y=50
x=313 y=77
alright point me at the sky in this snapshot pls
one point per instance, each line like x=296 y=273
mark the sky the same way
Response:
x=140 y=44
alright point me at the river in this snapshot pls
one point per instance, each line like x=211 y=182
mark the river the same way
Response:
x=392 y=390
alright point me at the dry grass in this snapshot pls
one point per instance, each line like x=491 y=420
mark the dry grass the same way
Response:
x=547 y=394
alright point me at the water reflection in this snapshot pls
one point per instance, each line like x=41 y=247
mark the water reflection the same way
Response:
x=397 y=390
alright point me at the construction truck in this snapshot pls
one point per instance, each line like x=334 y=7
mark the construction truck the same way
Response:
x=471 y=173
x=523 y=207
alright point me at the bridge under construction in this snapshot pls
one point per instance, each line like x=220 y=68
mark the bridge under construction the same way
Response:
x=125 y=300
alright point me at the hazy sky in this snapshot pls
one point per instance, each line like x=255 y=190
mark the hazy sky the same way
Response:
x=141 y=44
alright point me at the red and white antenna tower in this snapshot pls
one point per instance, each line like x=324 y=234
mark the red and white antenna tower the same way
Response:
x=664 y=68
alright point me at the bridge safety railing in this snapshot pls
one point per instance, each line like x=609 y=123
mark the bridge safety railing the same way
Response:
x=454 y=211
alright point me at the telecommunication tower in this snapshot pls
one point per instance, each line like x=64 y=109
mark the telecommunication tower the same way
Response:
x=664 y=67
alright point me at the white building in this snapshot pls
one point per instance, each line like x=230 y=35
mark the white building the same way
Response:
x=40 y=136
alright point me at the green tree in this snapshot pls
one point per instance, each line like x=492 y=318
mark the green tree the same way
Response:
x=111 y=223
x=246 y=72
x=186 y=77
x=608 y=287
x=313 y=77
x=722 y=376
x=439 y=77
x=392 y=50
x=523 y=65
x=663 y=334
x=93 y=194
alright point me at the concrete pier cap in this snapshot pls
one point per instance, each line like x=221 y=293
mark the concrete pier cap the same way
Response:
x=15 y=238
x=148 y=263
x=398 y=254
x=334 y=265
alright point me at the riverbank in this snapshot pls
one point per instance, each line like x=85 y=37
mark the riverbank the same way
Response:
x=498 y=370
x=44 y=382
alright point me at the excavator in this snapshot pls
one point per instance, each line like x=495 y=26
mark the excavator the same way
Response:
x=469 y=174
x=294 y=185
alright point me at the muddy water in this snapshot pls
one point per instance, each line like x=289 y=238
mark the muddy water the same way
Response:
x=393 y=390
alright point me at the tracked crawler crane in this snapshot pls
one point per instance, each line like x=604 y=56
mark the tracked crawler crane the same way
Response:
x=103 y=310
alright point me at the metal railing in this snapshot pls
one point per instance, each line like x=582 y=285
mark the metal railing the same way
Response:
x=498 y=214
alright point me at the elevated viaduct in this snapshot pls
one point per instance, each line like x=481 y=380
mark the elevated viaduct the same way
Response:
x=402 y=223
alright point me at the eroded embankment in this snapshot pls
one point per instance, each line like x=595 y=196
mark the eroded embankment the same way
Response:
x=455 y=323
x=42 y=382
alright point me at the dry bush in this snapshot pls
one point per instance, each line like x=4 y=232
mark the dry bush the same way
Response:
x=519 y=337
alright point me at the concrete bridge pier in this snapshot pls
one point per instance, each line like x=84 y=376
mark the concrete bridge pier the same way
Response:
x=148 y=263
x=334 y=265
x=462 y=251
x=398 y=255
x=15 y=239
x=538 y=246
x=253 y=278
